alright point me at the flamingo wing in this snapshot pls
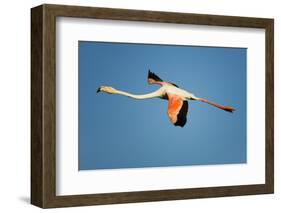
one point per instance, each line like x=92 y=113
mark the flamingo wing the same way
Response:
x=152 y=78
x=177 y=110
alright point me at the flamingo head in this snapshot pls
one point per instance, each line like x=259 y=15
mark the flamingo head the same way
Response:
x=106 y=89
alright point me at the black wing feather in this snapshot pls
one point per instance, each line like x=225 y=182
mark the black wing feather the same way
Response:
x=153 y=76
x=181 y=118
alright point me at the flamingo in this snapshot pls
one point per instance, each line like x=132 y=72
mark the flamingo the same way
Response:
x=177 y=98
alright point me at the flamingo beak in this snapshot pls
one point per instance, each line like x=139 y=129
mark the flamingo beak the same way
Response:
x=98 y=90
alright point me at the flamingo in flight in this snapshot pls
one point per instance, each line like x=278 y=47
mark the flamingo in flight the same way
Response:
x=177 y=98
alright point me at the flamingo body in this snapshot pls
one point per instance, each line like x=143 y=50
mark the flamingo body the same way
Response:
x=177 y=98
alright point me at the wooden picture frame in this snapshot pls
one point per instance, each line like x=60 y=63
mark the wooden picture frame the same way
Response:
x=43 y=105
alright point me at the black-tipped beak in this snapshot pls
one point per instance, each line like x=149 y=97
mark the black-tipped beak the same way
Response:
x=98 y=90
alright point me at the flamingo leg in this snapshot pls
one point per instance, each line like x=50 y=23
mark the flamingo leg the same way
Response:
x=226 y=108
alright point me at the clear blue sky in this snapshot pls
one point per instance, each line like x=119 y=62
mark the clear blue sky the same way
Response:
x=119 y=132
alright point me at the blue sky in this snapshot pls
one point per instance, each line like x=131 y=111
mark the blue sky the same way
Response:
x=119 y=132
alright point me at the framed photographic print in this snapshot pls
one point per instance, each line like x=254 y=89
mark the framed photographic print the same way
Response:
x=135 y=106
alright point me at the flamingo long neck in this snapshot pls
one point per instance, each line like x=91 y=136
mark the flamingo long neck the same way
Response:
x=139 y=97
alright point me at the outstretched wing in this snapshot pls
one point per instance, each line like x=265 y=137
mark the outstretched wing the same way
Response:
x=173 y=84
x=177 y=110
x=153 y=78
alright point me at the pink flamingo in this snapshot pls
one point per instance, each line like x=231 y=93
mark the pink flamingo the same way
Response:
x=177 y=98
